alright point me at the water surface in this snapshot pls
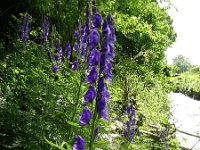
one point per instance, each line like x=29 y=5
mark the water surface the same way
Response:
x=186 y=116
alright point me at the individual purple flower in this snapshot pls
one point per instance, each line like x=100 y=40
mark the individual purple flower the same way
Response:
x=76 y=47
x=94 y=39
x=83 y=29
x=94 y=9
x=90 y=95
x=85 y=117
x=105 y=28
x=101 y=107
x=83 y=47
x=96 y=20
x=76 y=34
x=58 y=57
x=102 y=98
x=64 y=48
x=110 y=20
x=103 y=89
x=55 y=68
x=69 y=50
x=107 y=71
x=84 y=38
x=74 y=65
x=108 y=48
x=92 y=76
x=79 y=143
x=93 y=58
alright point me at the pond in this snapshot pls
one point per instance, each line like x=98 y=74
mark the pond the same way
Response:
x=186 y=116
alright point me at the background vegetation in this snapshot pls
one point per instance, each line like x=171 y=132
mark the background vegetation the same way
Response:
x=37 y=104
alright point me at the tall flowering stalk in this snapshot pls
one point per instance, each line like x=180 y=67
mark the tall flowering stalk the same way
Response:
x=45 y=29
x=24 y=28
x=99 y=63
x=130 y=128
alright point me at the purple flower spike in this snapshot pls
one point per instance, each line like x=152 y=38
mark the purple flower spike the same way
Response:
x=79 y=143
x=93 y=58
x=96 y=20
x=92 y=76
x=24 y=28
x=130 y=128
x=90 y=95
x=85 y=117
x=94 y=39
x=55 y=68
x=105 y=28
x=75 y=65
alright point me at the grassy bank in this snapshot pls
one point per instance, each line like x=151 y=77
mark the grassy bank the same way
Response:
x=188 y=83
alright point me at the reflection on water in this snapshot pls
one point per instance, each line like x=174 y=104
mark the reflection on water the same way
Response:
x=186 y=116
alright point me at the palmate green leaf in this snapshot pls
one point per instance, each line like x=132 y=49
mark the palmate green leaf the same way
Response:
x=54 y=145
x=74 y=124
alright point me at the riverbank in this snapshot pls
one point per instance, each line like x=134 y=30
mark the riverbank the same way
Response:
x=187 y=83
x=186 y=117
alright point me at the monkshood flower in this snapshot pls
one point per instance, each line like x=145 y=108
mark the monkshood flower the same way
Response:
x=76 y=34
x=94 y=39
x=69 y=50
x=83 y=47
x=74 y=65
x=93 y=58
x=90 y=95
x=96 y=20
x=130 y=128
x=58 y=55
x=92 y=76
x=79 y=143
x=102 y=98
x=76 y=46
x=55 y=68
x=85 y=117
x=103 y=89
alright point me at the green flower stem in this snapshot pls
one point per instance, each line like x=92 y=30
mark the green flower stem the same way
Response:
x=75 y=108
x=92 y=128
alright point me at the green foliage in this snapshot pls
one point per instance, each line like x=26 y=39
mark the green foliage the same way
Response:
x=182 y=63
x=40 y=110
x=143 y=31
x=188 y=83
